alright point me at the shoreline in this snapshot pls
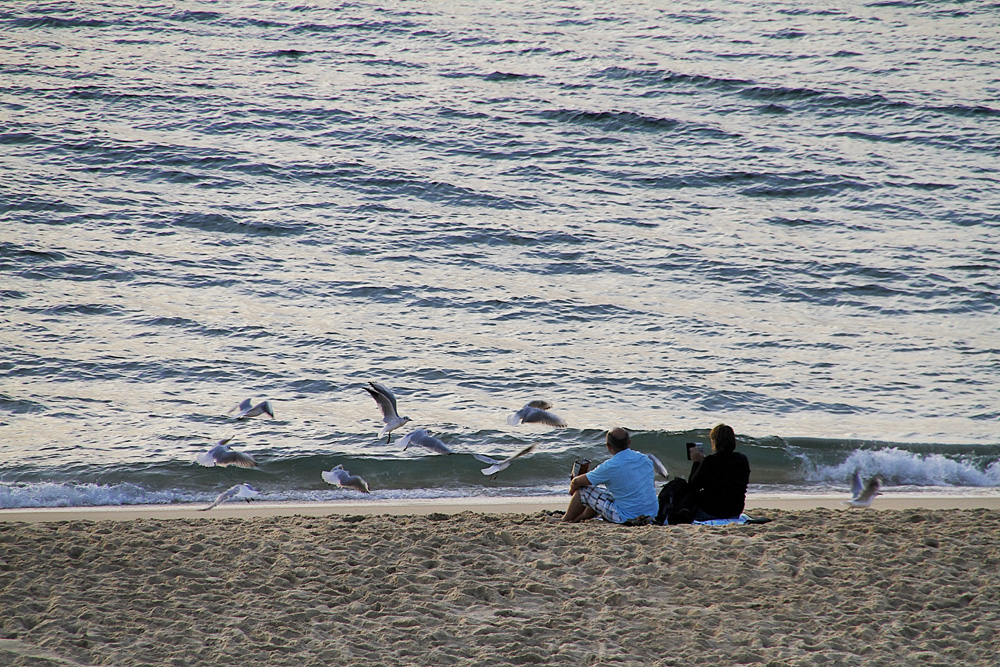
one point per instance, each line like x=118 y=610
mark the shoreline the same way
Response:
x=759 y=503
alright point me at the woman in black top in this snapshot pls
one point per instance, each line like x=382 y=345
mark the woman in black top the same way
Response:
x=716 y=487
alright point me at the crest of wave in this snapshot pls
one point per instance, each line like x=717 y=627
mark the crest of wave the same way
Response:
x=900 y=467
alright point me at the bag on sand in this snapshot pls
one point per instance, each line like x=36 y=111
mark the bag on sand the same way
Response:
x=674 y=504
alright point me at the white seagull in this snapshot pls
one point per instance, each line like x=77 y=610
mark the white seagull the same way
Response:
x=424 y=439
x=496 y=466
x=387 y=404
x=238 y=492
x=536 y=412
x=658 y=466
x=221 y=455
x=246 y=409
x=340 y=477
x=862 y=496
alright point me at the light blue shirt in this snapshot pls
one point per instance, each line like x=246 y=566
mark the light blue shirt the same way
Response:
x=628 y=475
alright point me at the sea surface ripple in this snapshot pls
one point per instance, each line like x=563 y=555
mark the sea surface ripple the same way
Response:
x=779 y=215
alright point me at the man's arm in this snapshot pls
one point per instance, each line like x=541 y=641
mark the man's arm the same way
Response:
x=578 y=483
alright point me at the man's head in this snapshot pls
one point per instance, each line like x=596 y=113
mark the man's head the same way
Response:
x=618 y=439
x=723 y=438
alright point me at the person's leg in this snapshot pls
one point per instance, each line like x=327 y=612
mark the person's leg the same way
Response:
x=594 y=501
x=577 y=511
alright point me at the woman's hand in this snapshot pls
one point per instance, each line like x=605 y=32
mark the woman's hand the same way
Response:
x=696 y=455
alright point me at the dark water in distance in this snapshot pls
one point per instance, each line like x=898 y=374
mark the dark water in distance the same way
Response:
x=782 y=216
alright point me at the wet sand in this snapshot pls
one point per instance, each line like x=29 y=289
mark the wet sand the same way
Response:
x=815 y=586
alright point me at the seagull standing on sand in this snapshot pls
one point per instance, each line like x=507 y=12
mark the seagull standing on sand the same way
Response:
x=238 y=492
x=424 y=439
x=340 y=477
x=221 y=455
x=536 y=412
x=246 y=410
x=862 y=496
x=387 y=404
x=496 y=466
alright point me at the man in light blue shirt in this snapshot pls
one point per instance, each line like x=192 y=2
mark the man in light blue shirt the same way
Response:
x=628 y=476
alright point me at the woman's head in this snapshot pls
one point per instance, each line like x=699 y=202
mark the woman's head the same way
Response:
x=723 y=438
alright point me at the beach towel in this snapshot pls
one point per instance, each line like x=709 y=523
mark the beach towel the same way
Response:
x=742 y=518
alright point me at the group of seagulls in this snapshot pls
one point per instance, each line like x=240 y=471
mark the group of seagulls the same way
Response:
x=536 y=412
x=222 y=455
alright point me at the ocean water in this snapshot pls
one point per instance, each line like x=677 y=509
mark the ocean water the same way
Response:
x=781 y=216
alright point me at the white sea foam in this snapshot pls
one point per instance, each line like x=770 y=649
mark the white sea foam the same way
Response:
x=52 y=494
x=900 y=467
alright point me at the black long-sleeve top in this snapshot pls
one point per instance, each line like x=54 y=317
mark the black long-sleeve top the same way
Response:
x=720 y=483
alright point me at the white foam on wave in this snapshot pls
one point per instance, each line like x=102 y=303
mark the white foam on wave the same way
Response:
x=19 y=495
x=54 y=494
x=900 y=467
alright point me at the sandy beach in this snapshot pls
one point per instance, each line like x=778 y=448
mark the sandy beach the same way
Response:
x=475 y=584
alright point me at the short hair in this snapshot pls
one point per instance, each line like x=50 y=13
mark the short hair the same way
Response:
x=618 y=439
x=724 y=438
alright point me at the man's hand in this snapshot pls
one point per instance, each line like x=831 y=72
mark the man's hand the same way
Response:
x=577 y=483
x=696 y=455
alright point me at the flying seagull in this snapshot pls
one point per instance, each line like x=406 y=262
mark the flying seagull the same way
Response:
x=862 y=496
x=238 y=492
x=245 y=409
x=496 y=466
x=658 y=466
x=387 y=404
x=424 y=439
x=221 y=455
x=536 y=412
x=340 y=477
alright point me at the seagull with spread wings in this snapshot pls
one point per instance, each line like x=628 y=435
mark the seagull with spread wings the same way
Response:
x=238 y=492
x=496 y=466
x=424 y=439
x=247 y=409
x=862 y=495
x=386 y=401
x=536 y=412
x=340 y=477
x=221 y=455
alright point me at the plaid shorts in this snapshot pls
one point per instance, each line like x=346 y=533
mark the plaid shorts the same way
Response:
x=601 y=501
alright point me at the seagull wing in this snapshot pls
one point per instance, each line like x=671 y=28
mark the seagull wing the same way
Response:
x=227 y=457
x=333 y=477
x=856 y=487
x=355 y=482
x=385 y=400
x=242 y=407
x=658 y=466
x=503 y=465
x=245 y=492
x=224 y=496
x=497 y=467
x=536 y=416
x=871 y=490
x=489 y=460
x=524 y=452
x=207 y=459
x=385 y=391
x=424 y=439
